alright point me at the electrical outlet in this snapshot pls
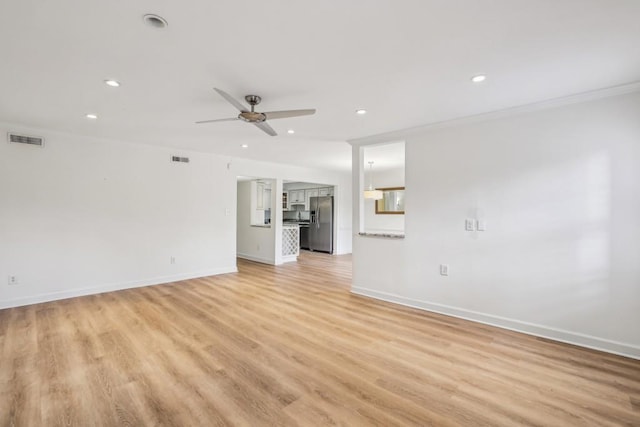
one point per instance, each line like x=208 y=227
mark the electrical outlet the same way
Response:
x=13 y=280
x=173 y=260
x=444 y=269
x=469 y=224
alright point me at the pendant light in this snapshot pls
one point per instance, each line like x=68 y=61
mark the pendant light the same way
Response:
x=371 y=193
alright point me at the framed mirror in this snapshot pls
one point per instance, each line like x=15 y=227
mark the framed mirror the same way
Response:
x=392 y=202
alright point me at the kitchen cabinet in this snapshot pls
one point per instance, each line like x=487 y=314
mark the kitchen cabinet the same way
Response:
x=302 y=196
x=260 y=196
x=296 y=196
x=308 y=195
x=327 y=191
x=260 y=203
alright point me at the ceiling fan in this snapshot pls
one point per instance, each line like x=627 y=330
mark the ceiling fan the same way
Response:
x=254 y=117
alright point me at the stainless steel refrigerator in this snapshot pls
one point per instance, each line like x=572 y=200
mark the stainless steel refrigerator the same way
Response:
x=321 y=224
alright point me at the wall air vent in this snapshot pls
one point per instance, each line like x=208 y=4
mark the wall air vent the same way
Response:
x=15 y=138
x=179 y=159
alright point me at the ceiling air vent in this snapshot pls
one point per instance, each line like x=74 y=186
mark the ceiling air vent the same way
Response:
x=179 y=159
x=24 y=139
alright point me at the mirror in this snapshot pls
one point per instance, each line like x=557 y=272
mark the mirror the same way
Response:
x=392 y=202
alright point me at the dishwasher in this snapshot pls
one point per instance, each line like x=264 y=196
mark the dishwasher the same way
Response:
x=304 y=236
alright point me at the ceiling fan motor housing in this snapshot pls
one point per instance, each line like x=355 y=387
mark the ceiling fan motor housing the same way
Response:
x=252 y=117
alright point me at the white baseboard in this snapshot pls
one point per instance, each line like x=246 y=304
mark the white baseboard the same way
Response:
x=78 y=292
x=256 y=258
x=583 y=340
x=341 y=251
x=289 y=258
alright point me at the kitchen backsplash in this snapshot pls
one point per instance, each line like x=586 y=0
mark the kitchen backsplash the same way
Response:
x=304 y=215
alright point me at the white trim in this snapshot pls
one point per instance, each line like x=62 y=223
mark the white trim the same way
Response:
x=403 y=134
x=341 y=252
x=289 y=258
x=582 y=340
x=256 y=258
x=110 y=287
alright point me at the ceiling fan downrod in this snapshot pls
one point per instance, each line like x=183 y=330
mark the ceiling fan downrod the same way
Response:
x=252 y=100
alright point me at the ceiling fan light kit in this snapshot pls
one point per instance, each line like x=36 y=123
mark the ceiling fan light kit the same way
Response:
x=254 y=117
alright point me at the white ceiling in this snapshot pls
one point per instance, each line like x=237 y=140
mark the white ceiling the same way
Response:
x=408 y=62
x=384 y=156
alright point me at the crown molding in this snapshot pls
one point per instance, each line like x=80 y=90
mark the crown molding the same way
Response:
x=401 y=135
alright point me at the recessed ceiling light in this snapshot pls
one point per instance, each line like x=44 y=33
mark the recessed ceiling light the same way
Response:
x=91 y=116
x=112 y=83
x=155 y=21
x=244 y=146
x=479 y=78
x=291 y=131
x=361 y=112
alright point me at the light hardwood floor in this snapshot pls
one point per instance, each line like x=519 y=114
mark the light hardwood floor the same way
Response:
x=290 y=345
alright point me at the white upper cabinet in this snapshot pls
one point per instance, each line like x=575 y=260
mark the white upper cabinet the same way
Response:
x=308 y=195
x=260 y=203
x=260 y=196
x=296 y=196
x=303 y=196
x=327 y=191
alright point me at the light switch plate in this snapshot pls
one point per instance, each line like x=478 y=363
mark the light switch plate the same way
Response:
x=481 y=225
x=469 y=224
x=444 y=269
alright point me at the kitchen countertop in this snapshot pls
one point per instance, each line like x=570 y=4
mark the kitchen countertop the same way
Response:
x=385 y=235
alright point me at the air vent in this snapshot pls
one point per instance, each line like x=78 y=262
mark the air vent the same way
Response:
x=179 y=159
x=24 y=139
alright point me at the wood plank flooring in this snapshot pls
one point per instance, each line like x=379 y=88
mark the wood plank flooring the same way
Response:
x=288 y=346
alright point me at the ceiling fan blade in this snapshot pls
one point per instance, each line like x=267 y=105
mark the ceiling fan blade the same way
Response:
x=288 y=113
x=266 y=128
x=218 y=120
x=231 y=100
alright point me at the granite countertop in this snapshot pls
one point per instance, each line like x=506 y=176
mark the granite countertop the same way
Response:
x=385 y=235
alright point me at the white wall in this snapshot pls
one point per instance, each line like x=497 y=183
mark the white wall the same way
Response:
x=84 y=215
x=559 y=189
x=256 y=243
x=380 y=223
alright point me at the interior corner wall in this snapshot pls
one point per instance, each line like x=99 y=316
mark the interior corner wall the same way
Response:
x=83 y=216
x=253 y=242
x=559 y=190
